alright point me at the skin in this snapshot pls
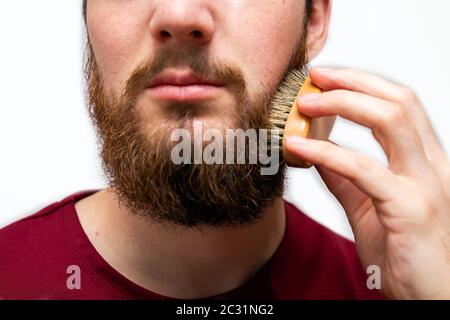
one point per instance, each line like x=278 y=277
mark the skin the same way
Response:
x=124 y=34
x=259 y=38
x=400 y=214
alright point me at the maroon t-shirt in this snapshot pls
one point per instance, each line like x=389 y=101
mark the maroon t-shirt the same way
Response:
x=35 y=254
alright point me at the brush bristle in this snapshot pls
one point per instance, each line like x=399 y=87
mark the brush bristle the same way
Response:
x=285 y=97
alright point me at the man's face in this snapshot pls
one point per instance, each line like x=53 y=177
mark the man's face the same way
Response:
x=155 y=66
x=256 y=38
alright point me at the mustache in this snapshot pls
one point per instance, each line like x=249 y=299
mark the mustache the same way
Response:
x=194 y=59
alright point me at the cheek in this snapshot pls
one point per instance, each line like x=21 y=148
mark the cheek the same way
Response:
x=115 y=40
x=267 y=60
x=266 y=46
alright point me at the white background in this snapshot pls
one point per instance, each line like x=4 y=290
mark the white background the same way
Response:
x=48 y=148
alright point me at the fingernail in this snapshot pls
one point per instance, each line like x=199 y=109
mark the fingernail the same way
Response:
x=323 y=70
x=309 y=97
x=297 y=141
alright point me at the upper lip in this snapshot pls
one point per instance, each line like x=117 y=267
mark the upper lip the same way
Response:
x=181 y=78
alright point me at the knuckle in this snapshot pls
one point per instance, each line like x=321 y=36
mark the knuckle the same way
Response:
x=339 y=96
x=363 y=164
x=321 y=148
x=323 y=151
x=396 y=115
x=407 y=95
x=370 y=169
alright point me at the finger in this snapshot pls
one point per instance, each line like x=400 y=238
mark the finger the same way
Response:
x=388 y=122
x=360 y=81
x=433 y=147
x=369 y=176
x=348 y=195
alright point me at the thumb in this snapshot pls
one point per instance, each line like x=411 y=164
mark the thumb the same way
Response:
x=348 y=195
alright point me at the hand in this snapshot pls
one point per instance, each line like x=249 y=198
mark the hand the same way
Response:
x=400 y=214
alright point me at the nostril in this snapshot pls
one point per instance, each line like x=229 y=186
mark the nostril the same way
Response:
x=197 y=34
x=165 y=34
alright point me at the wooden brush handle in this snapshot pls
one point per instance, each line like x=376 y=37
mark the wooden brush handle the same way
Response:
x=299 y=124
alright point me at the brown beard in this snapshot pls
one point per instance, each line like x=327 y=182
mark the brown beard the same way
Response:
x=138 y=163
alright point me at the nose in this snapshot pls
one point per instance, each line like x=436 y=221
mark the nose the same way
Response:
x=182 y=21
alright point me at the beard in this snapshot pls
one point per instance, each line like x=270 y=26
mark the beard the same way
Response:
x=136 y=150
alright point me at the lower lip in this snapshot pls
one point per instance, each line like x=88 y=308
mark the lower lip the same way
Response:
x=184 y=93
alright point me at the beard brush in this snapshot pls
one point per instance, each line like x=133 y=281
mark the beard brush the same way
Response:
x=286 y=120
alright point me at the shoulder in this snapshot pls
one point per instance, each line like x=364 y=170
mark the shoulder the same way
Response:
x=38 y=226
x=34 y=247
x=24 y=231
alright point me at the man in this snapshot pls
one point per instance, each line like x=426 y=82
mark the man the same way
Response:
x=196 y=230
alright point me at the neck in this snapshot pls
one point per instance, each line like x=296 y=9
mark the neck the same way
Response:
x=175 y=261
